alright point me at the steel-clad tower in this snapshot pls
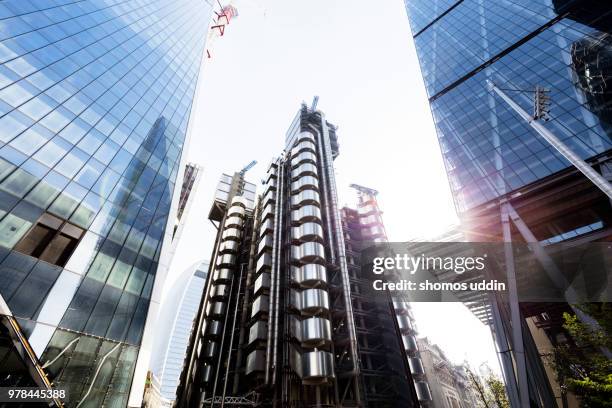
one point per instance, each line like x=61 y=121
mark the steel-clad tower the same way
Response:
x=283 y=321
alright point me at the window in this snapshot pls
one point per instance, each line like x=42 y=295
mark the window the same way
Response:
x=51 y=239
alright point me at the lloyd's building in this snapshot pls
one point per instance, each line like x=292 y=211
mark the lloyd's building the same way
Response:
x=288 y=318
x=95 y=99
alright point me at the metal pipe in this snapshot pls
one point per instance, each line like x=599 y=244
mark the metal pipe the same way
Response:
x=214 y=393
x=555 y=142
x=198 y=332
x=515 y=313
x=504 y=357
x=553 y=272
x=272 y=286
x=333 y=203
x=231 y=343
x=323 y=179
x=246 y=299
x=279 y=228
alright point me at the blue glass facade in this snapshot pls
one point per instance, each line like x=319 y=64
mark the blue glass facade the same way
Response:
x=179 y=309
x=95 y=98
x=562 y=45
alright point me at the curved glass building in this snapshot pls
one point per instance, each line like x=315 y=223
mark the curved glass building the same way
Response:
x=175 y=324
x=95 y=99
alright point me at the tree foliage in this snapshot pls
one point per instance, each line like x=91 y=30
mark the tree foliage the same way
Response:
x=491 y=392
x=584 y=368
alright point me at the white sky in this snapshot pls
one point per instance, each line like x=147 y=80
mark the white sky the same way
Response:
x=358 y=56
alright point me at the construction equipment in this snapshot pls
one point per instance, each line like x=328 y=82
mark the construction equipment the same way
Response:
x=248 y=167
x=315 y=101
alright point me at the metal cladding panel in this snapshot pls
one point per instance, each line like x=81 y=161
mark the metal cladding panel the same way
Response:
x=255 y=361
x=265 y=244
x=262 y=283
x=308 y=252
x=295 y=327
x=269 y=198
x=306 y=213
x=219 y=291
x=304 y=145
x=416 y=366
x=314 y=300
x=295 y=361
x=234 y=222
x=229 y=247
x=266 y=227
x=231 y=233
x=309 y=231
x=304 y=169
x=410 y=343
x=316 y=330
x=222 y=274
x=309 y=274
x=306 y=135
x=422 y=391
x=211 y=349
x=226 y=260
x=303 y=157
x=264 y=263
x=260 y=305
x=259 y=331
x=236 y=211
x=306 y=197
x=270 y=175
x=240 y=201
x=305 y=183
x=214 y=328
x=270 y=186
x=216 y=309
x=206 y=373
x=404 y=323
x=317 y=364
x=268 y=211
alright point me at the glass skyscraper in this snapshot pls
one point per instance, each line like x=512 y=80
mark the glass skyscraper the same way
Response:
x=95 y=99
x=175 y=325
x=517 y=44
x=509 y=184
